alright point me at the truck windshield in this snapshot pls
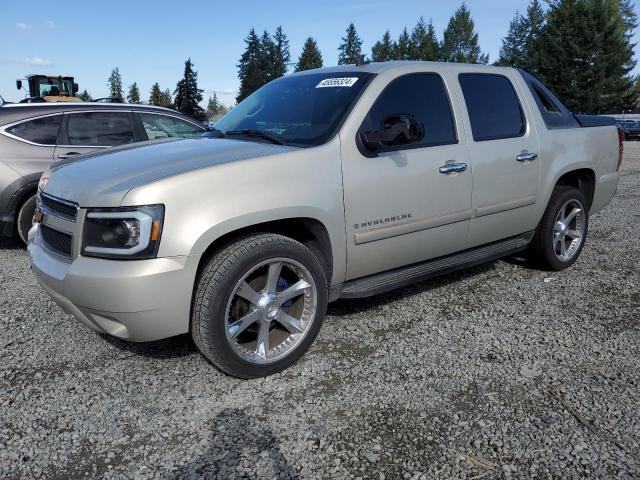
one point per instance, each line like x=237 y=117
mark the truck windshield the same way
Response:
x=304 y=110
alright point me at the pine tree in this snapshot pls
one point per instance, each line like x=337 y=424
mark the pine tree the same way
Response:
x=460 y=43
x=165 y=99
x=402 y=50
x=513 y=52
x=588 y=55
x=214 y=107
x=280 y=56
x=424 y=43
x=351 y=47
x=536 y=19
x=115 y=85
x=253 y=69
x=310 y=56
x=187 y=93
x=134 y=93
x=84 y=96
x=155 y=96
x=383 y=50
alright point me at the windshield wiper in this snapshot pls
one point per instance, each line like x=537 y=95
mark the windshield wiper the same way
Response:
x=247 y=132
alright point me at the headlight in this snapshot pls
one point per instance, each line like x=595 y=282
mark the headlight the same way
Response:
x=123 y=233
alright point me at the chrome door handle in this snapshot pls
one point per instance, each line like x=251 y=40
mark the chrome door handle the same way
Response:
x=68 y=155
x=452 y=168
x=526 y=157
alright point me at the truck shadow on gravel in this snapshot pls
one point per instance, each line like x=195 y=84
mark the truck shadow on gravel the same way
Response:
x=173 y=347
x=183 y=346
x=359 y=305
x=234 y=438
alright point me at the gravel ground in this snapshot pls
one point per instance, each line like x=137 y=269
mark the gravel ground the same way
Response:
x=500 y=371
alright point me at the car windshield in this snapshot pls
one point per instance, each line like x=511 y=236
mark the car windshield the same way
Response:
x=304 y=110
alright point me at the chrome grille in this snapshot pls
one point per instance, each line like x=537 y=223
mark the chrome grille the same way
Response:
x=59 y=208
x=58 y=242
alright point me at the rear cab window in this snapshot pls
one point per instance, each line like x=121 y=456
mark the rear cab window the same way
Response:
x=493 y=106
x=99 y=129
x=41 y=131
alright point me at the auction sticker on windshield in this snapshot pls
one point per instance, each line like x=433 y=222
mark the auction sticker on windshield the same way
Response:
x=337 y=82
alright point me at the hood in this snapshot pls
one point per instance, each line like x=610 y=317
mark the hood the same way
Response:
x=103 y=179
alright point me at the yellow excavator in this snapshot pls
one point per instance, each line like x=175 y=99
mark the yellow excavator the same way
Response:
x=49 y=88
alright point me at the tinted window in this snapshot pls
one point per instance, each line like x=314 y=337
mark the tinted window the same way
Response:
x=493 y=106
x=298 y=109
x=164 y=126
x=40 y=130
x=422 y=96
x=101 y=129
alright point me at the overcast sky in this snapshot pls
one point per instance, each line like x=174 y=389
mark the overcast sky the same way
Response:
x=149 y=41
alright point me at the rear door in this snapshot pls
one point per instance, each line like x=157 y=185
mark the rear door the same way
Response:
x=504 y=151
x=84 y=132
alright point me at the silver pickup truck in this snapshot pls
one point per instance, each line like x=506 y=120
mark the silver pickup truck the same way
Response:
x=332 y=183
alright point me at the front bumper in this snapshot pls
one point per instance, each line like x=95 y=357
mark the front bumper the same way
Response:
x=137 y=300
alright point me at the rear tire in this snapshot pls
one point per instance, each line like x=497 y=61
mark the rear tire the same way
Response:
x=259 y=305
x=562 y=231
x=24 y=218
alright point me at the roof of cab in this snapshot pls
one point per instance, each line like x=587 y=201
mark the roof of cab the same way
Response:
x=378 y=67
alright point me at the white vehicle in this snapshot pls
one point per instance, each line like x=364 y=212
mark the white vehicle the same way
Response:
x=332 y=183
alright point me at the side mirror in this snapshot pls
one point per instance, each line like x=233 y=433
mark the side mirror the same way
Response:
x=75 y=88
x=19 y=84
x=396 y=130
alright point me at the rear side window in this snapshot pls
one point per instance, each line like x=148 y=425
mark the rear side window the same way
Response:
x=100 y=129
x=43 y=131
x=554 y=113
x=493 y=106
x=164 y=126
x=422 y=95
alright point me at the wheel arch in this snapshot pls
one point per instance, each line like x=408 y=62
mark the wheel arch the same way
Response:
x=309 y=231
x=584 y=179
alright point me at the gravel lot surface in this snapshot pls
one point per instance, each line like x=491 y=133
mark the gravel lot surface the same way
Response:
x=500 y=371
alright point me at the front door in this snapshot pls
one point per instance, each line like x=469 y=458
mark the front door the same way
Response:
x=406 y=202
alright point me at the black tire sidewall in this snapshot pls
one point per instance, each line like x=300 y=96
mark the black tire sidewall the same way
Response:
x=559 y=198
x=220 y=352
x=24 y=218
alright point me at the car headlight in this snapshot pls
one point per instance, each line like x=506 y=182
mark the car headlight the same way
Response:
x=123 y=233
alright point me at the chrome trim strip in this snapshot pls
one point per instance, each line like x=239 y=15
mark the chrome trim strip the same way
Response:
x=382 y=233
x=504 y=206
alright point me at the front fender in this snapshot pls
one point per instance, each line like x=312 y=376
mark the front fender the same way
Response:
x=257 y=218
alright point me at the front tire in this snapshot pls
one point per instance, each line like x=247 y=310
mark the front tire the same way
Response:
x=259 y=305
x=562 y=231
x=24 y=218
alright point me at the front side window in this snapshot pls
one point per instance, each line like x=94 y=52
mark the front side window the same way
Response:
x=423 y=97
x=100 y=129
x=303 y=110
x=163 y=126
x=43 y=131
x=493 y=106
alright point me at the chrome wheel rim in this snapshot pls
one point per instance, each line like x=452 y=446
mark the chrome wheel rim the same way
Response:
x=271 y=310
x=568 y=231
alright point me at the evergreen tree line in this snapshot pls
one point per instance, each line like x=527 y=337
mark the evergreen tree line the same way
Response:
x=186 y=97
x=581 y=49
